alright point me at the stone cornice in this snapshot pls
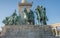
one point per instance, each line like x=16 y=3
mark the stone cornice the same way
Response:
x=25 y=4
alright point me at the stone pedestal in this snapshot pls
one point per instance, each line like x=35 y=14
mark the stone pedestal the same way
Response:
x=26 y=31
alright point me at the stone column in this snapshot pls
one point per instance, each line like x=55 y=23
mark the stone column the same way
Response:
x=56 y=31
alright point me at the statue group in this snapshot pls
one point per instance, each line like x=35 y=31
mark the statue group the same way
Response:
x=41 y=15
x=29 y=17
x=14 y=19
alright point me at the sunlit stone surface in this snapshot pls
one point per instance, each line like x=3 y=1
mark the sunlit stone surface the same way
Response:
x=27 y=31
x=24 y=1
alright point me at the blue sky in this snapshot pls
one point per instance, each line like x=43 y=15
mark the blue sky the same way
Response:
x=7 y=8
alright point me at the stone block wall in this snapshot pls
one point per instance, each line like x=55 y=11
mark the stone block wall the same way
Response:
x=26 y=31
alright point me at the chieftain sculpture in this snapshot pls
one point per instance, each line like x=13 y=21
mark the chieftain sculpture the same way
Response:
x=13 y=19
x=29 y=16
x=41 y=15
